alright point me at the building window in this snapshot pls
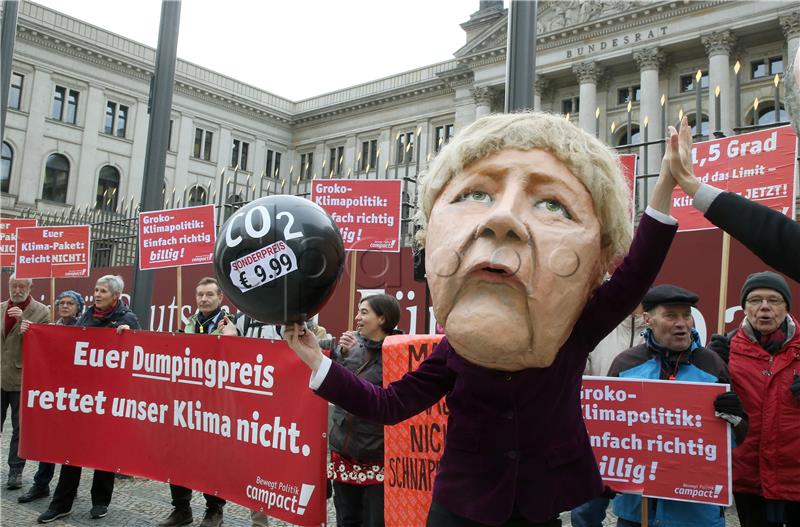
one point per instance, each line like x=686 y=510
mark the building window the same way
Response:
x=273 y=164
x=169 y=135
x=336 y=162
x=765 y=114
x=5 y=167
x=202 y=144
x=107 y=189
x=766 y=67
x=624 y=94
x=56 y=178
x=116 y=119
x=306 y=165
x=442 y=135
x=15 y=91
x=197 y=196
x=239 y=151
x=65 y=105
x=622 y=136
x=703 y=124
x=571 y=105
x=687 y=81
x=369 y=155
x=405 y=148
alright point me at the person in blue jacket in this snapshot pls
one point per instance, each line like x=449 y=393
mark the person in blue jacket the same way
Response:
x=672 y=351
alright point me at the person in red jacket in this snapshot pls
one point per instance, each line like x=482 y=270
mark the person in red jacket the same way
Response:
x=765 y=371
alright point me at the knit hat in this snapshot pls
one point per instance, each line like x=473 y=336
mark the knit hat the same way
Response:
x=76 y=297
x=767 y=280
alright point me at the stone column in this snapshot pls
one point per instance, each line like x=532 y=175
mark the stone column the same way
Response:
x=791 y=30
x=540 y=87
x=483 y=101
x=650 y=62
x=83 y=190
x=30 y=158
x=588 y=75
x=719 y=46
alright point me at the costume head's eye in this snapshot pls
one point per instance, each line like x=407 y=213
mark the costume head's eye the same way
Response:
x=478 y=196
x=554 y=207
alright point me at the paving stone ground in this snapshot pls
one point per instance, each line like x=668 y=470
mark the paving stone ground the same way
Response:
x=140 y=503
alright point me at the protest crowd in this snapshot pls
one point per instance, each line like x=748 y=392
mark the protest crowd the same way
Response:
x=509 y=365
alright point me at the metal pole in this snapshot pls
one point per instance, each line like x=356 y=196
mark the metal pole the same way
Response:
x=157 y=137
x=8 y=35
x=521 y=55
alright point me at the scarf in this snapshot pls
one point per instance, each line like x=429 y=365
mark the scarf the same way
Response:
x=670 y=359
x=207 y=324
x=8 y=320
x=99 y=314
x=772 y=342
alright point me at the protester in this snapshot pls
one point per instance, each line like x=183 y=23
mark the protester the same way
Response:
x=764 y=366
x=69 y=305
x=108 y=311
x=19 y=307
x=770 y=235
x=672 y=351
x=356 y=464
x=520 y=216
x=625 y=336
x=208 y=320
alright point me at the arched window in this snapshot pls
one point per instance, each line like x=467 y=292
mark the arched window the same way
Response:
x=704 y=129
x=622 y=135
x=765 y=114
x=7 y=163
x=56 y=178
x=197 y=196
x=232 y=203
x=107 y=189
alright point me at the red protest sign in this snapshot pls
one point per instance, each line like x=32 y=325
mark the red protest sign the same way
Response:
x=628 y=163
x=52 y=252
x=169 y=238
x=8 y=238
x=759 y=166
x=659 y=438
x=367 y=212
x=160 y=405
x=412 y=448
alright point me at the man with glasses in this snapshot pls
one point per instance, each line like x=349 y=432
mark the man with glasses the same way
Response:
x=20 y=307
x=765 y=372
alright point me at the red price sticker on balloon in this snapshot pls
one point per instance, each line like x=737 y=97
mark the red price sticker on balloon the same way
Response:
x=263 y=266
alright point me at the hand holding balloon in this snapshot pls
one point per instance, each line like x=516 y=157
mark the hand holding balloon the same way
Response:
x=304 y=343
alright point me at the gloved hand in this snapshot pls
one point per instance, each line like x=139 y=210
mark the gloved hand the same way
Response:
x=729 y=407
x=608 y=493
x=721 y=345
x=795 y=386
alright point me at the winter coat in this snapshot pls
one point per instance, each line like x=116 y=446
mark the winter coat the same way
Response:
x=627 y=335
x=768 y=462
x=11 y=344
x=121 y=316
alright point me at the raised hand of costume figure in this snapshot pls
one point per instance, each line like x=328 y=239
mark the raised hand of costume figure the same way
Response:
x=679 y=157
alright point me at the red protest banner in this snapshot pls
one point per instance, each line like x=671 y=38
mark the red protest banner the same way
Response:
x=659 y=438
x=412 y=448
x=759 y=166
x=163 y=406
x=367 y=212
x=52 y=252
x=8 y=238
x=169 y=238
x=628 y=163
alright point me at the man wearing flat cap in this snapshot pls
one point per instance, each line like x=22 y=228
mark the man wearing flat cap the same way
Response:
x=672 y=351
x=765 y=371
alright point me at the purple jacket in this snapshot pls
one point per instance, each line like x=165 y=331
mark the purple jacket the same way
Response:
x=513 y=439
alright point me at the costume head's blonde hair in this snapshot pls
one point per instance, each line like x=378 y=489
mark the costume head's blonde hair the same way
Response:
x=592 y=162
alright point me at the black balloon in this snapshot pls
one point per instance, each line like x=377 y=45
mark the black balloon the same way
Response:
x=279 y=258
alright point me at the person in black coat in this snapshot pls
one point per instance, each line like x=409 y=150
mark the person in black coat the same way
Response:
x=770 y=235
x=108 y=311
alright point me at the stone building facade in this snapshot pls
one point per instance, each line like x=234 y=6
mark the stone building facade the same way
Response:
x=76 y=127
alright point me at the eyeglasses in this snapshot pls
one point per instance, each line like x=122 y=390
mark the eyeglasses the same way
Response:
x=66 y=303
x=774 y=301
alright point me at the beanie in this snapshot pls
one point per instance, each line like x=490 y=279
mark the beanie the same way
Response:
x=767 y=280
x=76 y=297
